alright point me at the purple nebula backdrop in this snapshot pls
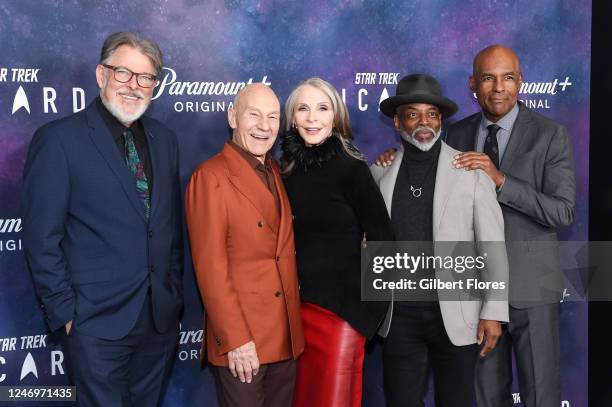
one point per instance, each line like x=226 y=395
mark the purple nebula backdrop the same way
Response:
x=283 y=42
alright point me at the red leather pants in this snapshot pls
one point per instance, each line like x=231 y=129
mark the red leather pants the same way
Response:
x=329 y=372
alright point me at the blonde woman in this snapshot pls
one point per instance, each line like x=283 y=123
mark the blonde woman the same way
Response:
x=335 y=201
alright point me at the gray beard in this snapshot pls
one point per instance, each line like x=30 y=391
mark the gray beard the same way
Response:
x=124 y=118
x=410 y=138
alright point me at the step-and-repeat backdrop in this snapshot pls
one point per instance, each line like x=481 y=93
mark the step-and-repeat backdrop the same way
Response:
x=50 y=49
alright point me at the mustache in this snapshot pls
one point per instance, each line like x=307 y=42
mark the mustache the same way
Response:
x=132 y=93
x=421 y=129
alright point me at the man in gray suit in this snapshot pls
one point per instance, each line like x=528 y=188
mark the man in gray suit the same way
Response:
x=429 y=200
x=529 y=158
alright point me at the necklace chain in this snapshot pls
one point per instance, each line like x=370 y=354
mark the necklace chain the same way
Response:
x=417 y=192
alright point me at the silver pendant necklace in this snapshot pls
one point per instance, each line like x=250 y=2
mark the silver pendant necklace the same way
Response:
x=417 y=192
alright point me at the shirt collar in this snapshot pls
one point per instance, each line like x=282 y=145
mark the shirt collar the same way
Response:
x=114 y=125
x=250 y=158
x=505 y=122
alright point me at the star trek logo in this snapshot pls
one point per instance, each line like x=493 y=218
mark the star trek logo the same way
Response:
x=3 y=375
x=49 y=100
x=20 y=101
x=29 y=366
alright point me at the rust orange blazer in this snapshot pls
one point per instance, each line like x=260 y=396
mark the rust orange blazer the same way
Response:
x=244 y=258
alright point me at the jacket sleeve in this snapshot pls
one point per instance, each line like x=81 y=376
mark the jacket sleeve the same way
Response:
x=489 y=239
x=45 y=198
x=364 y=197
x=208 y=224
x=553 y=206
x=377 y=172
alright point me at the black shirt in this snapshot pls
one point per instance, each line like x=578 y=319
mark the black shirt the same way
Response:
x=116 y=129
x=412 y=216
x=412 y=206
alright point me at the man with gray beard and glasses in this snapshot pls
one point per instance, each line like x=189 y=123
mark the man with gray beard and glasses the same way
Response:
x=429 y=200
x=102 y=232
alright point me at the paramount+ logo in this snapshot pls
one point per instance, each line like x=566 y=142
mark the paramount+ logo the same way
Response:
x=10 y=227
x=201 y=96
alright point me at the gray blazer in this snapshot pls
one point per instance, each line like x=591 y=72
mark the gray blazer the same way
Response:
x=465 y=209
x=537 y=197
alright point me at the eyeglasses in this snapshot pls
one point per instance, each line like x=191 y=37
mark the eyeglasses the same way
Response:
x=123 y=75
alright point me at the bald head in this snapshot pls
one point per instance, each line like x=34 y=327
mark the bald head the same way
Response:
x=256 y=90
x=495 y=52
x=496 y=79
x=255 y=119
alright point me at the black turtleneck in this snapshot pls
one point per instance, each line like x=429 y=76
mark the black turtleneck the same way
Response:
x=412 y=216
x=335 y=201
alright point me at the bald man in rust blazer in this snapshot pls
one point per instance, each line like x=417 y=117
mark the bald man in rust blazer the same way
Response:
x=241 y=234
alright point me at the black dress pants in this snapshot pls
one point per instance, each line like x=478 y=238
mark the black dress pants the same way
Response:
x=417 y=342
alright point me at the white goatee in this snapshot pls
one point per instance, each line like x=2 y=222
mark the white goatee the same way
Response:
x=423 y=146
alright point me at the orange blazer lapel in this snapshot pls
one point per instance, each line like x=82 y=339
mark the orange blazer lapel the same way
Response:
x=245 y=180
x=286 y=218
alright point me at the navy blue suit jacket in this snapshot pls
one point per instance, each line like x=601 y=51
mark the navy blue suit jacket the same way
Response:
x=90 y=250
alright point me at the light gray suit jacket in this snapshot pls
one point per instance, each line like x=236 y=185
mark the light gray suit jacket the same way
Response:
x=465 y=209
x=537 y=197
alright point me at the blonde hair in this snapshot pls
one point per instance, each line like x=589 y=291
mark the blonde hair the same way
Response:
x=342 y=126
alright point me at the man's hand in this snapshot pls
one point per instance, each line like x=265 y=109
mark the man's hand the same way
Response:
x=243 y=362
x=472 y=160
x=386 y=158
x=492 y=331
x=68 y=327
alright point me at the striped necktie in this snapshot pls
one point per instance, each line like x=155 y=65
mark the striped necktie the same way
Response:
x=135 y=165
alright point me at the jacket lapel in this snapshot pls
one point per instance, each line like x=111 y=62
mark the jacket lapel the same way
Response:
x=246 y=181
x=464 y=139
x=155 y=157
x=103 y=141
x=471 y=138
x=286 y=222
x=519 y=131
x=387 y=182
x=446 y=176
